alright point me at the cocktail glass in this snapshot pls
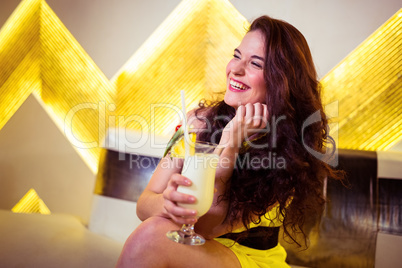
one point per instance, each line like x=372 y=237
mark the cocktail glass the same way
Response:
x=199 y=167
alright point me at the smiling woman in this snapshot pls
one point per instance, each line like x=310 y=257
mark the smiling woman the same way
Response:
x=271 y=75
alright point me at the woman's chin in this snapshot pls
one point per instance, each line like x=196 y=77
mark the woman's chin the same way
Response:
x=235 y=103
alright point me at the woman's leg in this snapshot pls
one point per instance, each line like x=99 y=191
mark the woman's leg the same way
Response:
x=148 y=246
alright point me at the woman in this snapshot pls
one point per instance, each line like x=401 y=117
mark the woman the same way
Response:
x=268 y=178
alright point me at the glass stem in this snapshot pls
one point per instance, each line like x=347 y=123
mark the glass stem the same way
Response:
x=188 y=230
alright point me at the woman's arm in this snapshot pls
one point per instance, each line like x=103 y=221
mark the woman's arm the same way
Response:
x=150 y=202
x=250 y=119
x=160 y=197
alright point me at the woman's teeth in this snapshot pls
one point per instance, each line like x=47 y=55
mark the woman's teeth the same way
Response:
x=238 y=85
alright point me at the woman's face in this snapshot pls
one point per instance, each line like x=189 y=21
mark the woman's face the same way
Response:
x=245 y=72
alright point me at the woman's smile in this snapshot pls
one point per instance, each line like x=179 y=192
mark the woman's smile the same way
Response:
x=237 y=86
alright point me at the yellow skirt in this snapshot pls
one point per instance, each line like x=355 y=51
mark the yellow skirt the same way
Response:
x=250 y=258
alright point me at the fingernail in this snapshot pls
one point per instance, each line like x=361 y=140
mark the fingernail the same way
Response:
x=191 y=199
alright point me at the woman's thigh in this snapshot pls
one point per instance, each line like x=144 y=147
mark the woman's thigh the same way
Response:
x=148 y=246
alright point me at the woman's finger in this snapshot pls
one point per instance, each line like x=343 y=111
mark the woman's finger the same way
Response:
x=179 y=214
x=249 y=116
x=175 y=210
x=171 y=193
x=241 y=113
x=264 y=115
x=175 y=196
x=258 y=113
x=178 y=179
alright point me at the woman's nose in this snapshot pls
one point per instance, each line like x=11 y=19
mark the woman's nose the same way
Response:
x=238 y=68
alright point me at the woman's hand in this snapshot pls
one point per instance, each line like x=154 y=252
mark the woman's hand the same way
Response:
x=171 y=197
x=249 y=119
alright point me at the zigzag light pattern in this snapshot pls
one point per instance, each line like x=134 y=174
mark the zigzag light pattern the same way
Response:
x=39 y=55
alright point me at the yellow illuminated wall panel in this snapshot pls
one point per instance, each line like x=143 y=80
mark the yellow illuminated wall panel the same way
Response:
x=39 y=55
x=367 y=85
x=19 y=59
x=31 y=203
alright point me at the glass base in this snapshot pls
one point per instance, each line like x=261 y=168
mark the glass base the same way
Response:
x=185 y=238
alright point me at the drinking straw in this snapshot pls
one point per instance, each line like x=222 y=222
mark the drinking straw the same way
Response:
x=186 y=135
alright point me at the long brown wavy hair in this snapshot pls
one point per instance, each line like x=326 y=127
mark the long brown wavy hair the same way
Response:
x=292 y=94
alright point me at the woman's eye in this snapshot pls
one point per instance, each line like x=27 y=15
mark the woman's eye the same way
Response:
x=256 y=64
x=236 y=56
